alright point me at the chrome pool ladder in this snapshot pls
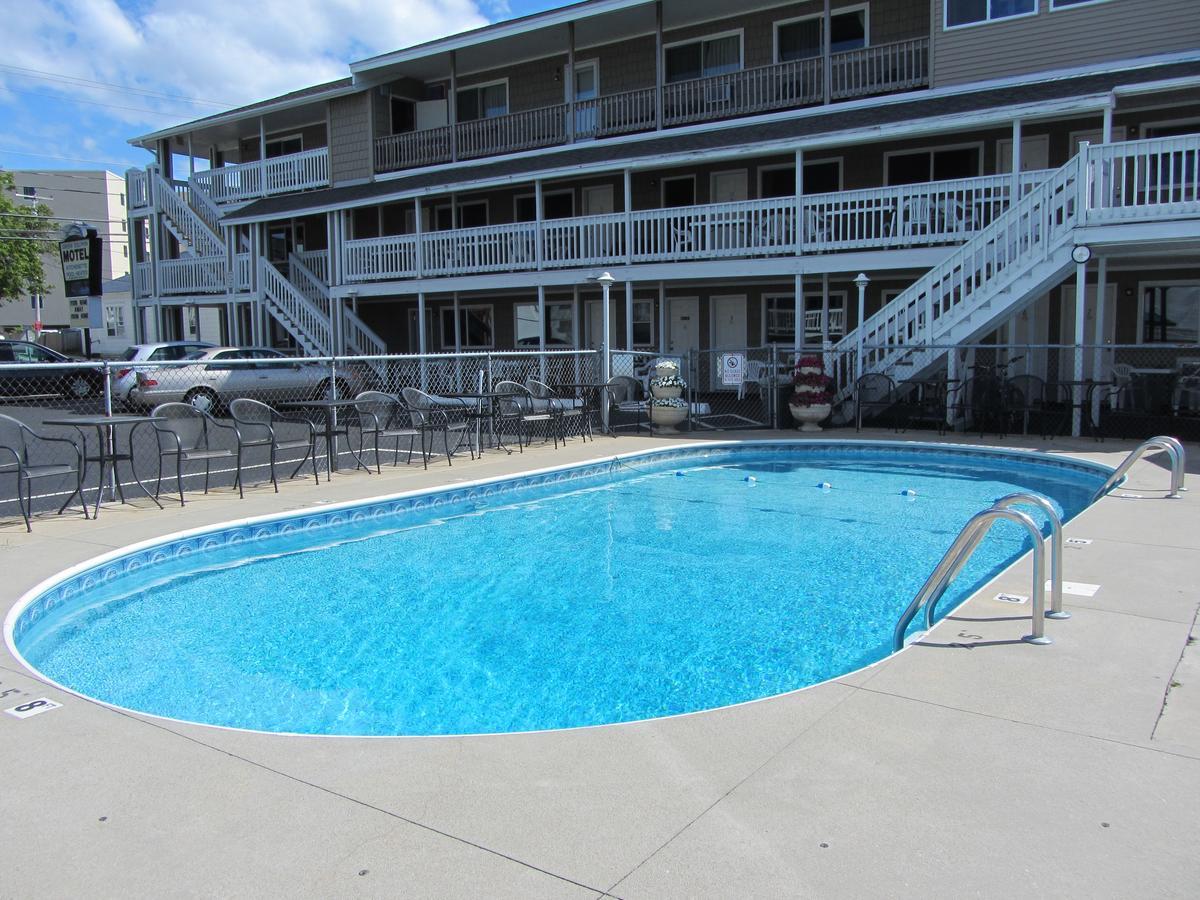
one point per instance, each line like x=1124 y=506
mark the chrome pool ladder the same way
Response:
x=964 y=545
x=1165 y=443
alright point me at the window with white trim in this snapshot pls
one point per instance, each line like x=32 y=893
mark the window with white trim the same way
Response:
x=643 y=323
x=476 y=327
x=283 y=146
x=1171 y=314
x=700 y=59
x=1067 y=4
x=484 y=101
x=802 y=38
x=973 y=12
x=934 y=164
x=560 y=320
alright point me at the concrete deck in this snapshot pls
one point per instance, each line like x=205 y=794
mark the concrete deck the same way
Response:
x=971 y=764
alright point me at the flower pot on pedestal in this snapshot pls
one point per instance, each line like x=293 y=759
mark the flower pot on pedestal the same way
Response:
x=811 y=416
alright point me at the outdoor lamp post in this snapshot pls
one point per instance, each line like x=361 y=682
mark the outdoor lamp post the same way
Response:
x=606 y=282
x=861 y=281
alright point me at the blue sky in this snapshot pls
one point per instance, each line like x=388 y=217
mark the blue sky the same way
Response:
x=78 y=79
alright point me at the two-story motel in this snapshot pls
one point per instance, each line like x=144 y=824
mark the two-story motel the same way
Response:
x=733 y=169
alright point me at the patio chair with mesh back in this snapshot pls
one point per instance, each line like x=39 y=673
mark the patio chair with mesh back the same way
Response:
x=569 y=409
x=188 y=434
x=17 y=440
x=256 y=426
x=624 y=394
x=517 y=406
x=875 y=401
x=386 y=417
x=983 y=403
x=431 y=418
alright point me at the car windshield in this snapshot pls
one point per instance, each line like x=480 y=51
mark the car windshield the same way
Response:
x=130 y=353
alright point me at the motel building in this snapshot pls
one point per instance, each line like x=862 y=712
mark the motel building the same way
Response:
x=978 y=160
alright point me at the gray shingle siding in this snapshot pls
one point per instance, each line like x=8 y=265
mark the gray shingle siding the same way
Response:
x=350 y=151
x=1116 y=29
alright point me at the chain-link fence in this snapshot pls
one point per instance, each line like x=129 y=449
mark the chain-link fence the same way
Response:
x=63 y=421
x=1114 y=390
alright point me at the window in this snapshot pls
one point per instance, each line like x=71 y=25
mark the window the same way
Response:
x=486 y=101
x=125 y=251
x=971 y=12
x=699 y=59
x=122 y=199
x=941 y=164
x=643 y=323
x=1171 y=314
x=679 y=191
x=114 y=320
x=1064 y=4
x=364 y=221
x=780 y=313
x=404 y=115
x=821 y=176
x=555 y=205
x=801 y=39
x=32 y=353
x=559 y=322
x=293 y=143
x=476 y=325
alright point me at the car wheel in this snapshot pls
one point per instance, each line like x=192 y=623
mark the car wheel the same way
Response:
x=202 y=399
x=325 y=390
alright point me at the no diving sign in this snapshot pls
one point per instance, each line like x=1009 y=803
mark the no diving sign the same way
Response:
x=733 y=368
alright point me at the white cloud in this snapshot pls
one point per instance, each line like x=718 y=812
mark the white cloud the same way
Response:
x=231 y=51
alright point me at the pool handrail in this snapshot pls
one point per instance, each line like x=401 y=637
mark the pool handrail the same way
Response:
x=954 y=559
x=1171 y=446
x=1056 y=545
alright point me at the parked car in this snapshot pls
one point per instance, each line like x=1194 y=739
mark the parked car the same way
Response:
x=210 y=381
x=31 y=378
x=125 y=377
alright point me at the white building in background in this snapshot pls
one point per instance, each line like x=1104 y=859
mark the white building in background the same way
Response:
x=94 y=197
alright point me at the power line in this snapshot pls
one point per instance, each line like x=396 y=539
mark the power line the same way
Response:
x=67 y=158
x=137 y=109
x=40 y=74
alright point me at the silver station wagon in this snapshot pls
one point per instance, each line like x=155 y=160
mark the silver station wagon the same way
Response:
x=214 y=377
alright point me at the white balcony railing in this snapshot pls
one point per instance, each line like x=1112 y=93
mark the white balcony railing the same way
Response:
x=898 y=66
x=317 y=262
x=192 y=275
x=879 y=218
x=1143 y=179
x=901 y=66
x=241 y=272
x=743 y=92
x=137 y=188
x=261 y=178
x=142 y=286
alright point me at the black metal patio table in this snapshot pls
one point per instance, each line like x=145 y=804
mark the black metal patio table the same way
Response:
x=107 y=454
x=330 y=430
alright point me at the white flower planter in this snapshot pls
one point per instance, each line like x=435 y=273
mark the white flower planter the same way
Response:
x=809 y=417
x=665 y=418
x=665 y=393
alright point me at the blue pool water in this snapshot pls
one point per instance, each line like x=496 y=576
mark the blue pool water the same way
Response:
x=636 y=590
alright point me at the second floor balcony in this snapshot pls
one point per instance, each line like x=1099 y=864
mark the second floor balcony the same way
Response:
x=869 y=71
x=265 y=177
x=882 y=218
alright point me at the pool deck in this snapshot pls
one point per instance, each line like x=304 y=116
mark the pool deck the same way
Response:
x=970 y=764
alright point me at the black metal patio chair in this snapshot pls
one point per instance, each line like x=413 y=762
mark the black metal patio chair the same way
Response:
x=432 y=417
x=21 y=453
x=569 y=409
x=875 y=402
x=518 y=407
x=257 y=425
x=187 y=434
x=386 y=417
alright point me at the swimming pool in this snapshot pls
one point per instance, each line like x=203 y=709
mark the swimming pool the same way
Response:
x=650 y=585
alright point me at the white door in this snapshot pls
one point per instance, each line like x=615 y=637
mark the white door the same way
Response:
x=1035 y=153
x=593 y=324
x=587 y=87
x=683 y=330
x=728 y=331
x=728 y=187
x=598 y=200
x=1067 y=328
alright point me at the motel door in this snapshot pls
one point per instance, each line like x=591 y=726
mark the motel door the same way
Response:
x=728 y=333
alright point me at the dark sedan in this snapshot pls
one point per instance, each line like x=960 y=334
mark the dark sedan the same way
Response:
x=26 y=372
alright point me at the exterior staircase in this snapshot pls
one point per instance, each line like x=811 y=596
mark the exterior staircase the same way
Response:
x=1152 y=185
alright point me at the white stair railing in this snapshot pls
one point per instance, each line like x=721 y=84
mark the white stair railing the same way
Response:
x=303 y=319
x=360 y=339
x=1020 y=238
x=203 y=240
